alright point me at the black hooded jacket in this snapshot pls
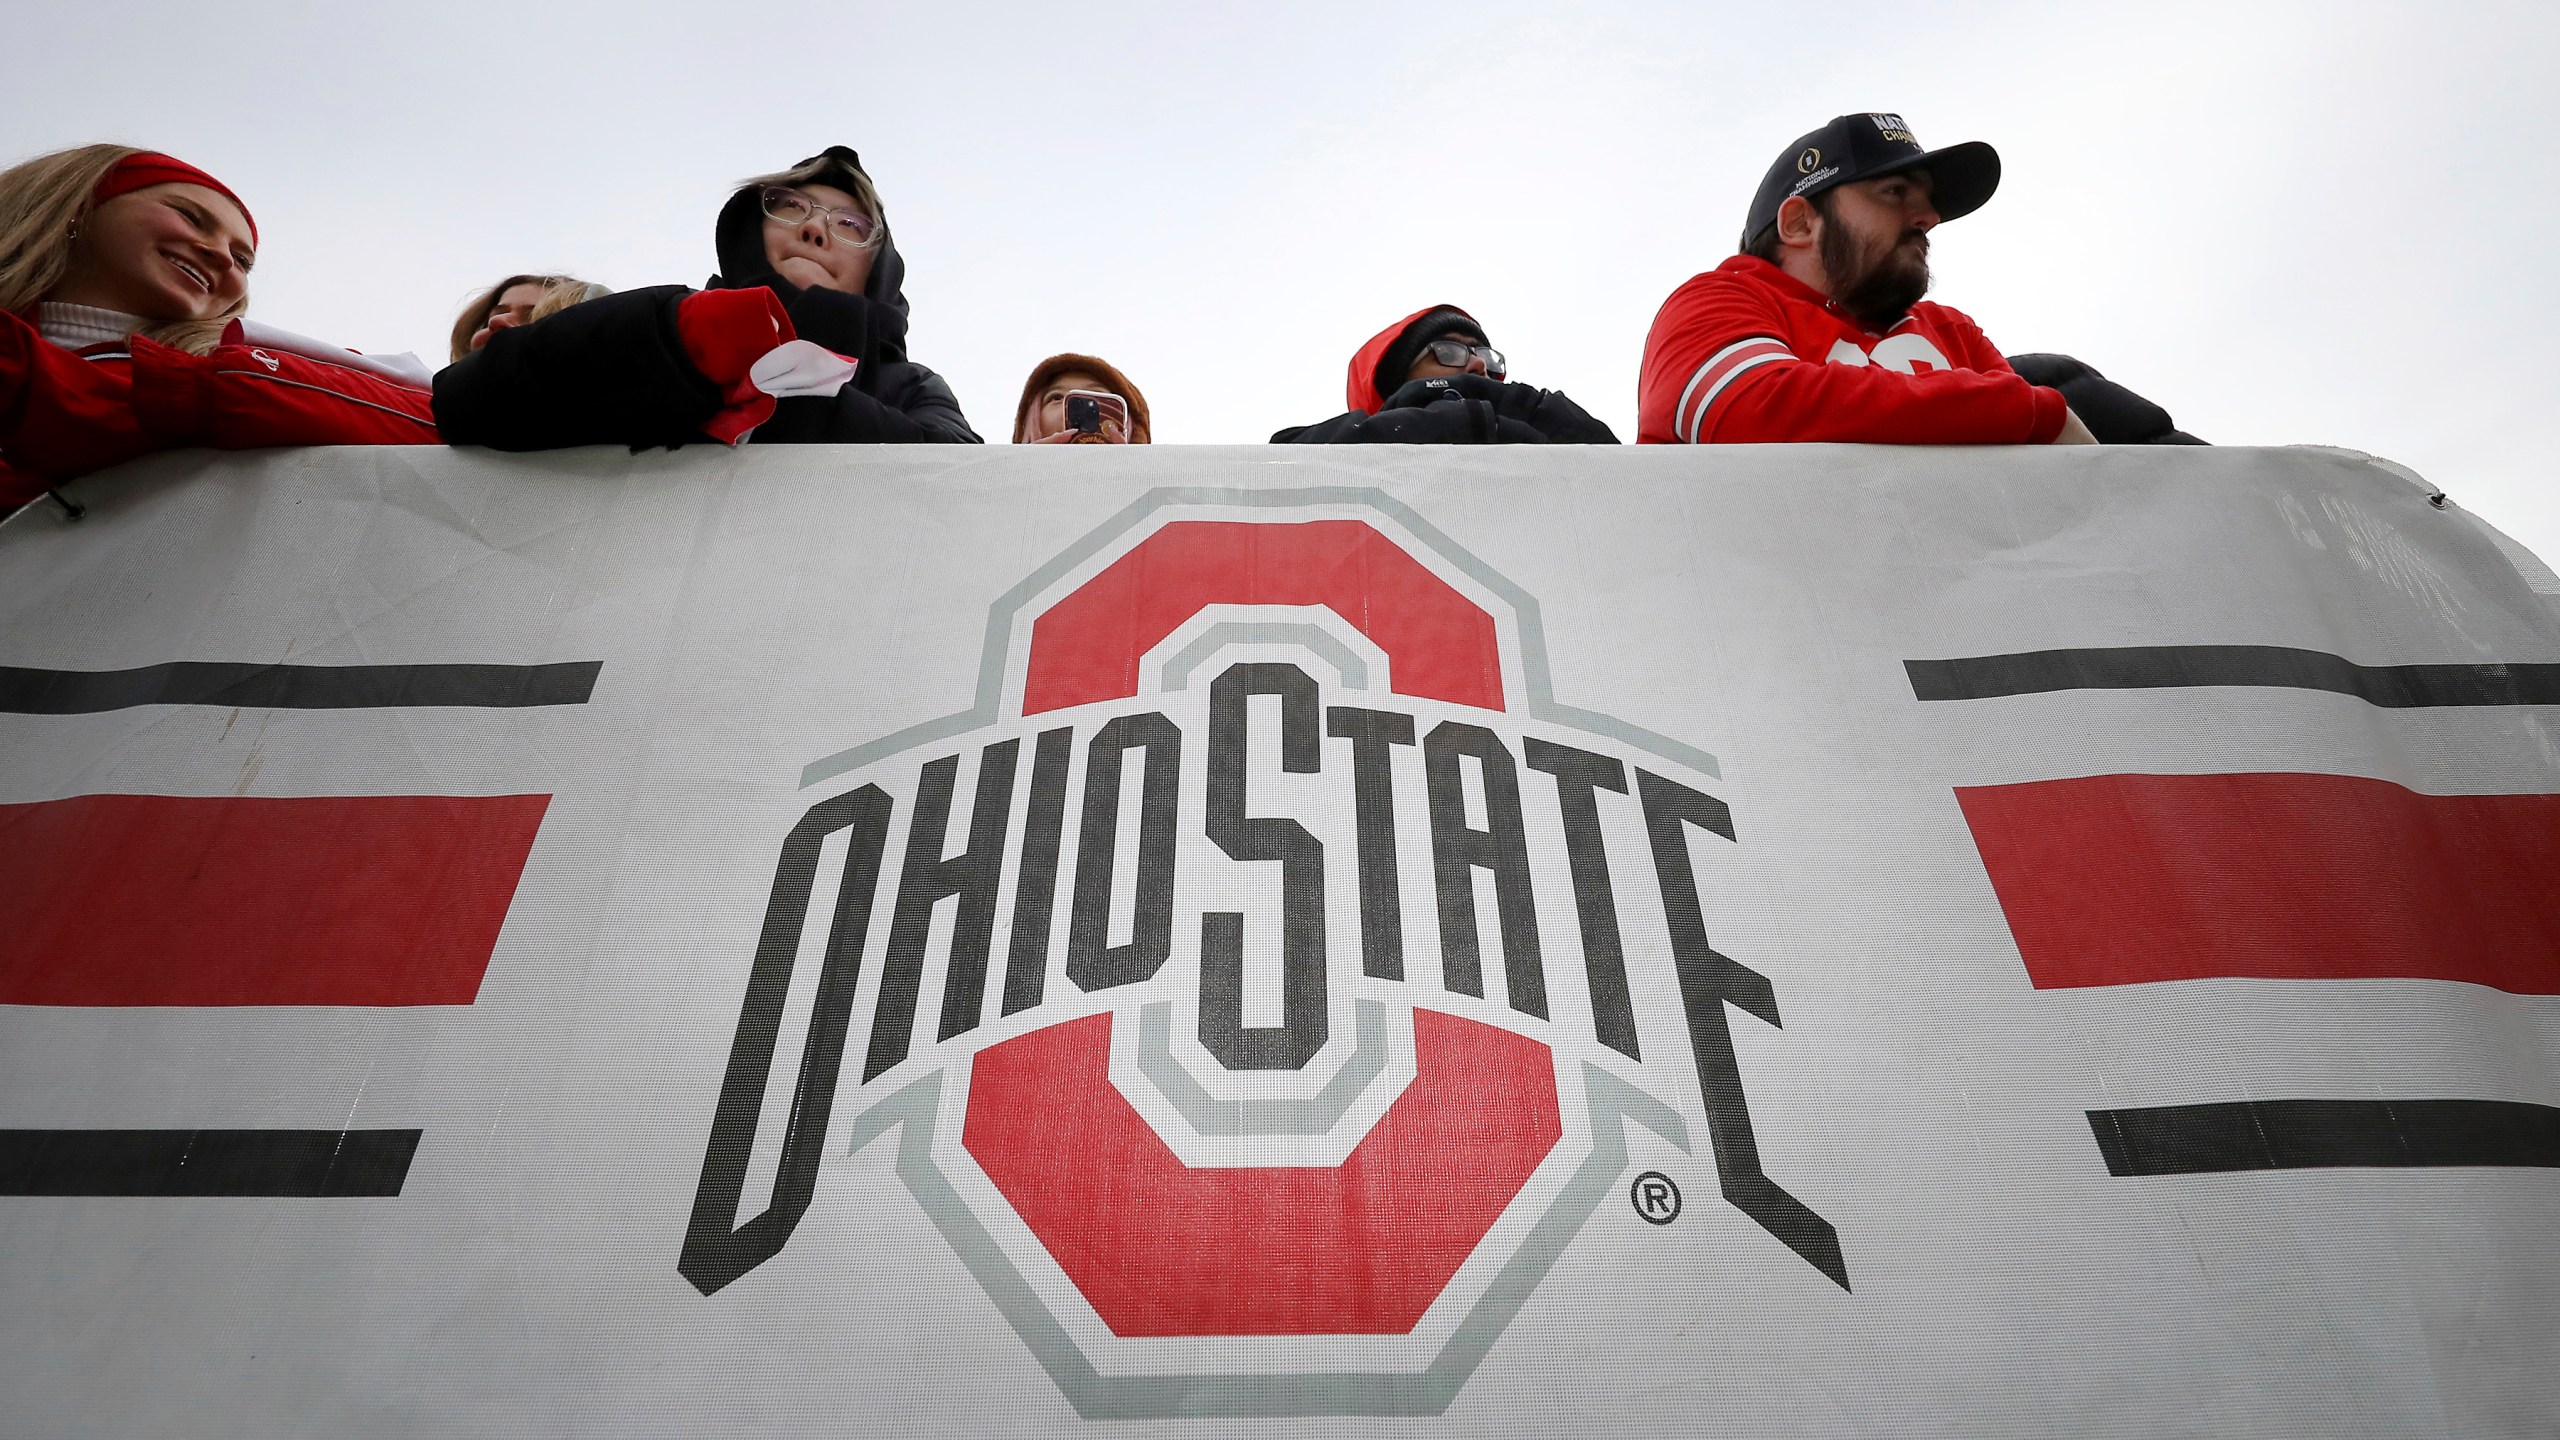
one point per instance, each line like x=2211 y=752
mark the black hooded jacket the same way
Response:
x=613 y=371
x=1460 y=410
x=1448 y=410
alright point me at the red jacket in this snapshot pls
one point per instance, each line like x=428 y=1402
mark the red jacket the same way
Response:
x=65 y=413
x=1747 y=354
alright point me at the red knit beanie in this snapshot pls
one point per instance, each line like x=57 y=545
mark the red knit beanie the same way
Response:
x=150 y=167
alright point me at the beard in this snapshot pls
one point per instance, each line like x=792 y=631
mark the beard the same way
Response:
x=1876 y=293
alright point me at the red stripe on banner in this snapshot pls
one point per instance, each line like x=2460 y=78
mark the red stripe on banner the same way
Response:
x=2128 y=879
x=330 y=900
x=1439 y=645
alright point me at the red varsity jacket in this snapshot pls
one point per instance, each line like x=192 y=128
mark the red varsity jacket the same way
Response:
x=1747 y=354
x=65 y=413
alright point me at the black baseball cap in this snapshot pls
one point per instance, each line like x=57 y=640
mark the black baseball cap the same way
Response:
x=1862 y=147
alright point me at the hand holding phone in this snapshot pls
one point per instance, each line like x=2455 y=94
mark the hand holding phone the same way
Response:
x=1100 y=415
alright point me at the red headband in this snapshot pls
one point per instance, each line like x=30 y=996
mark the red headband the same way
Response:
x=150 y=167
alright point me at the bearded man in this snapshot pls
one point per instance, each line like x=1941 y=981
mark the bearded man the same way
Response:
x=1817 y=331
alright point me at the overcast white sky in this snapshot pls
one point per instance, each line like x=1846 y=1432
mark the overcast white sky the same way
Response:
x=2326 y=223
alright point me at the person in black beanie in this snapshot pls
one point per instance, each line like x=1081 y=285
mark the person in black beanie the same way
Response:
x=1433 y=378
x=801 y=338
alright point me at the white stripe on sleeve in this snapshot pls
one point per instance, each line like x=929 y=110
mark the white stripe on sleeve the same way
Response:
x=1716 y=373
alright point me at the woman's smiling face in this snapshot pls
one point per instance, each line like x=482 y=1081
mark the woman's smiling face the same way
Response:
x=163 y=253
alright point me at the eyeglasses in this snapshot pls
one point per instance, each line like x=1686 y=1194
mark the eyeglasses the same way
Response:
x=1454 y=353
x=845 y=227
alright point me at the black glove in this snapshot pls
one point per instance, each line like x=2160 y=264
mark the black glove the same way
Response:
x=1414 y=393
x=2115 y=415
x=850 y=325
x=1457 y=423
x=1555 y=419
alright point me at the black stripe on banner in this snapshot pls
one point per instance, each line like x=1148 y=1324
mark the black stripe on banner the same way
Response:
x=295 y=687
x=2319 y=1134
x=308 y=1163
x=2155 y=667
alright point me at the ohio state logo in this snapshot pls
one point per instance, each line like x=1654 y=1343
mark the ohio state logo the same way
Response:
x=1267 y=961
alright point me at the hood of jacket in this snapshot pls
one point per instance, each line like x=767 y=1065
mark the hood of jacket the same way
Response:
x=1368 y=384
x=1141 y=428
x=739 y=237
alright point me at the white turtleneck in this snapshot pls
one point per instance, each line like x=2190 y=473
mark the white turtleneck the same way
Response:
x=75 y=326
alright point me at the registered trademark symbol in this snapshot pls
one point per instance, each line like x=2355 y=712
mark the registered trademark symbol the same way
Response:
x=1655 y=1197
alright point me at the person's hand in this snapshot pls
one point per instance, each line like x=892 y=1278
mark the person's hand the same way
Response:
x=1480 y=387
x=1553 y=415
x=1414 y=393
x=1063 y=437
x=806 y=273
x=2073 y=432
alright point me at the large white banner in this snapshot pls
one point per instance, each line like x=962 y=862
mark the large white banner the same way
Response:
x=1754 y=942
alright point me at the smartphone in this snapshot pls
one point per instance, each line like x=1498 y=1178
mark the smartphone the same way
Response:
x=1088 y=409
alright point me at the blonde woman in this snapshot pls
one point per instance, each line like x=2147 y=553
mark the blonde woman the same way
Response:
x=124 y=280
x=517 y=300
x=801 y=338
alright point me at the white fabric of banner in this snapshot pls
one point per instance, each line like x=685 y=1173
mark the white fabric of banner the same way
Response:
x=1753 y=941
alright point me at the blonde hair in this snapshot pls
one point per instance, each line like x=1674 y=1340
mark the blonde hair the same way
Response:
x=828 y=170
x=559 y=292
x=42 y=202
x=565 y=294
